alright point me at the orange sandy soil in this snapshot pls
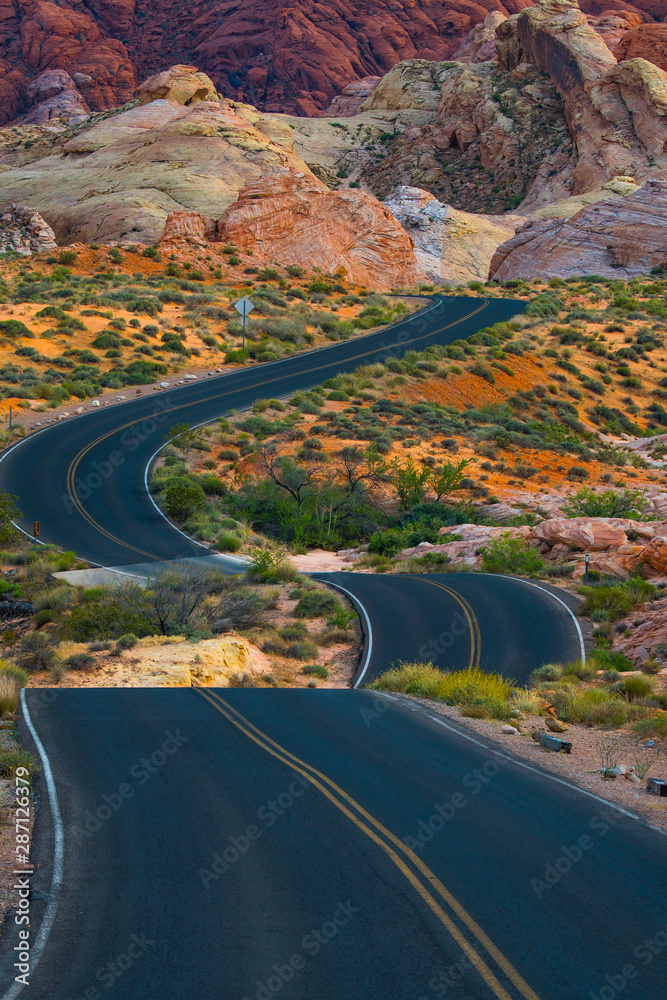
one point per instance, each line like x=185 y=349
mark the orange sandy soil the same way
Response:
x=202 y=257
x=464 y=391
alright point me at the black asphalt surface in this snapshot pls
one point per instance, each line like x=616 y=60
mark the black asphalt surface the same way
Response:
x=455 y=620
x=304 y=904
x=339 y=843
x=83 y=478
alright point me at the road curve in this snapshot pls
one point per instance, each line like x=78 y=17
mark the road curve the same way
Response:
x=455 y=620
x=83 y=479
x=326 y=844
x=313 y=844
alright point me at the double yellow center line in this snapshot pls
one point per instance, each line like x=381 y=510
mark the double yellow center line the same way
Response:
x=78 y=458
x=448 y=910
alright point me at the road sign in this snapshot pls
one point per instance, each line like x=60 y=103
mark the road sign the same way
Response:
x=342 y=272
x=35 y=529
x=244 y=306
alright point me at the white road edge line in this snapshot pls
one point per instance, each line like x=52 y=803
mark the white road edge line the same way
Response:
x=369 y=630
x=570 y=612
x=528 y=767
x=58 y=856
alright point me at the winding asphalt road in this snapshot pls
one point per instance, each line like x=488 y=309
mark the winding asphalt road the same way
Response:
x=303 y=844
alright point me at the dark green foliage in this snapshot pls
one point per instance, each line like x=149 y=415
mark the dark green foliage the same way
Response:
x=316 y=604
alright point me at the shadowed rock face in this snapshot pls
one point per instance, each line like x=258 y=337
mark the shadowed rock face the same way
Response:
x=616 y=112
x=616 y=239
x=290 y=57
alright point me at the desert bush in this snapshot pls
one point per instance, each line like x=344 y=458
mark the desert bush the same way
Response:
x=614 y=601
x=271 y=566
x=612 y=659
x=547 y=672
x=608 y=503
x=582 y=671
x=461 y=687
x=303 y=649
x=511 y=555
x=316 y=604
x=636 y=687
x=316 y=670
x=653 y=725
x=9 y=694
x=35 y=651
x=11 y=760
x=80 y=661
x=127 y=641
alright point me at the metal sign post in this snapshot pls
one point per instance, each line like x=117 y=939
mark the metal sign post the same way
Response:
x=35 y=532
x=586 y=575
x=244 y=306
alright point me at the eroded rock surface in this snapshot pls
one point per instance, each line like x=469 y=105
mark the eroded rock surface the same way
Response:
x=24 y=231
x=615 y=238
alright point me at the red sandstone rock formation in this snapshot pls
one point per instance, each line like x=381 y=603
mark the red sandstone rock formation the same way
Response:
x=292 y=58
x=647 y=41
x=296 y=219
x=616 y=239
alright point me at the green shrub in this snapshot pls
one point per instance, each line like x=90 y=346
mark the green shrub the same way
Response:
x=14 y=328
x=182 y=497
x=636 y=687
x=654 y=725
x=613 y=600
x=608 y=503
x=127 y=641
x=582 y=671
x=547 y=672
x=316 y=604
x=612 y=659
x=316 y=670
x=11 y=760
x=612 y=714
x=18 y=675
x=271 y=567
x=228 y=542
x=291 y=633
x=511 y=555
x=80 y=661
x=35 y=651
x=460 y=687
x=302 y=650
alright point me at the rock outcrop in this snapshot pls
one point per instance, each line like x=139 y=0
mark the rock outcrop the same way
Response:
x=293 y=58
x=121 y=178
x=182 y=84
x=24 y=231
x=479 y=45
x=451 y=246
x=351 y=98
x=54 y=95
x=617 y=113
x=296 y=219
x=645 y=41
x=616 y=238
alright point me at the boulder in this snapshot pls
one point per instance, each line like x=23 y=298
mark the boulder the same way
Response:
x=351 y=98
x=556 y=726
x=594 y=535
x=180 y=663
x=655 y=554
x=190 y=224
x=181 y=84
x=24 y=231
x=617 y=238
x=295 y=218
x=451 y=246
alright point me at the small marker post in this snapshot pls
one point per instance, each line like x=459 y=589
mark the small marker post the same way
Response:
x=10 y=416
x=35 y=532
x=586 y=574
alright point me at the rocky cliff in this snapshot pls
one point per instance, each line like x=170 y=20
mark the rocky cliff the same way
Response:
x=618 y=238
x=616 y=112
x=293 y=58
